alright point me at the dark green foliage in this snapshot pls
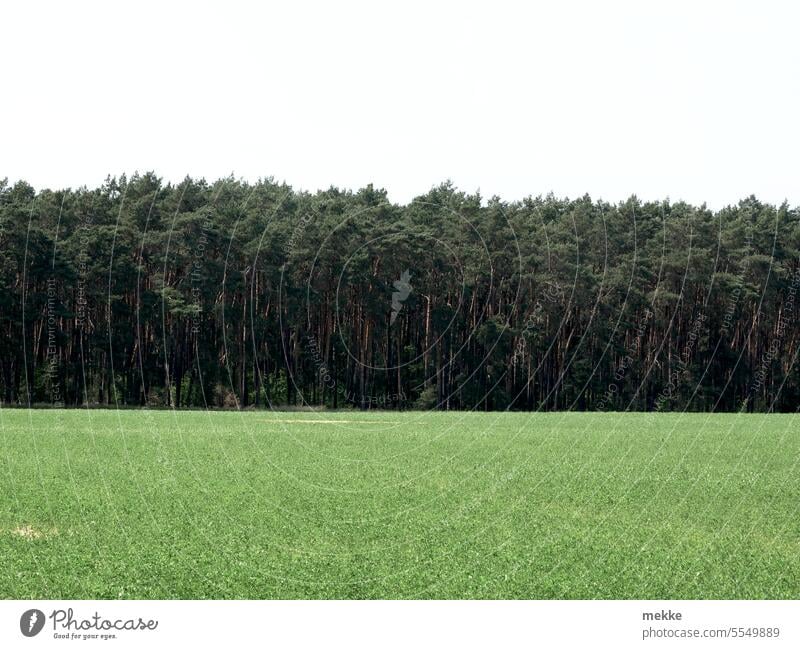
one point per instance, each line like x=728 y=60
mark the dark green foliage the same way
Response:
x=230 y=294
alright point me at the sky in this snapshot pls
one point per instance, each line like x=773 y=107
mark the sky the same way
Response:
x=693 y=101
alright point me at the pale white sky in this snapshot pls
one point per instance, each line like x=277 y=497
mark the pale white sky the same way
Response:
x=693 y=100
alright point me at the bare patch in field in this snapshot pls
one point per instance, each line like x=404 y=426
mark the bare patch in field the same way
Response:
x=31 y=533
x=328 y=421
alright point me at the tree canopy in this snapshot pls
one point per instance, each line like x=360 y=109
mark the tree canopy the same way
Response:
x=237 y=294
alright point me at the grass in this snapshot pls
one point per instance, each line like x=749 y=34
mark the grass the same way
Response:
x=104 y=504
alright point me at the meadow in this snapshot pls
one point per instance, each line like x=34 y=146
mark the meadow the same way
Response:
x=259 y=504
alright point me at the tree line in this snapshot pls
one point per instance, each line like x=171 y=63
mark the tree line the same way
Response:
x=234 y=294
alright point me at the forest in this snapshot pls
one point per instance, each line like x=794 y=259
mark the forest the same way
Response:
x=236 y=294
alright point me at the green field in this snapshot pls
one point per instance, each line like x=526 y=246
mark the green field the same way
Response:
x=155 y=504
